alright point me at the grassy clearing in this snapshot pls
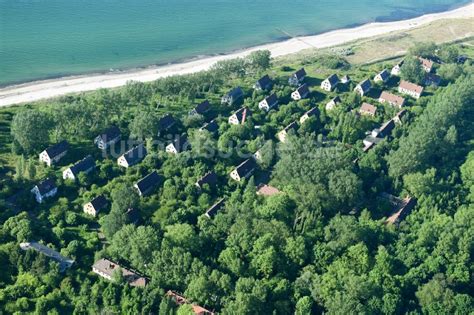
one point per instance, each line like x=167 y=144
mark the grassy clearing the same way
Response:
x=395 y=44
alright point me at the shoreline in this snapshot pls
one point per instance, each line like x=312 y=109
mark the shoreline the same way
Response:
x=49 y=88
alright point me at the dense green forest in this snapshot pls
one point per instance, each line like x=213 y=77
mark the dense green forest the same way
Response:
x=322 y=245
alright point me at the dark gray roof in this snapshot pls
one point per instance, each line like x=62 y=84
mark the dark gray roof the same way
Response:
x=336 y=100
x=312 y=111
x=133 y=215
x=300 y=74
x=240 y=113
x=83 y=165
x=211 y=126
x=236 y=93
x=365 y=85
x=264 y=82
x=245 y=167
x=135 y=154
x=384 y=74
x=166 y=122
x=333 y=79
x=202 y=107
x=148 y=182
x=210 y=178
x=303 y=90
x=293 y=125
x=272 y=100
x=109 y=134
x=99 y=202
x=180 y=143
x=46 y=186
x=386 y=128
x=212 y=211
x=57 y=149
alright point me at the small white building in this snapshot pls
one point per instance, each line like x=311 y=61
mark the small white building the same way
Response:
x=396 y=69
x=330 y=83
x=178 y=145
x=53 y=154
x=108 y=138
x=282 y=135
x=240 y=116
x=297 y=77
x=45 y=189
x=333 y=103
x=85 y=165
x=300 y=93
x=243 y=170
x=268 y=102
x=382 y=76
x=363 y=87
x=132 y=156
x=95 y=205
x=313 y=111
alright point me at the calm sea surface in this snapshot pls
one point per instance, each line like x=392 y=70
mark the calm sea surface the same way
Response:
x=49 y=38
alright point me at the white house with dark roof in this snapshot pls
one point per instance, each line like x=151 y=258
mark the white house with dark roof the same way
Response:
x=264 y=83
x=44 y=189
x=147 y=184
x=232 y=96
x=330 y=83
x=210 y=178
x=201 y=108
x=378 y=134
x=212 y=211
x=333 y=103
x=382 y=76
x=178 y=145
x=165 y=123
x=211 y=126
x=397 y=68
x=108 y=138
x=53 y=154
x=297 y=77
x=240 y=116
x=86 y=165
x=243 y=170
x=300 y=93
x=392 y=99
x=282 y=135
x=310 y=113
x=95 y=205
x=345 y=79
x=364 y=87
x=411 y=89
x=132 y=156
x=268 y=102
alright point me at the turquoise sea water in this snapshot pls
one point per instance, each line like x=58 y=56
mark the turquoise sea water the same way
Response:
x=49 y=38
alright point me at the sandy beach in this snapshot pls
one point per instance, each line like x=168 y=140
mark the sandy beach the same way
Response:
x=38 y=90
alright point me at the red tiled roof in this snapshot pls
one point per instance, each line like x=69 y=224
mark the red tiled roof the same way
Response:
x=411 y=87
x=266 y=190
x=392 y=98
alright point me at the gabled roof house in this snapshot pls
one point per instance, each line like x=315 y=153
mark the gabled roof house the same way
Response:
x=54 y=153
